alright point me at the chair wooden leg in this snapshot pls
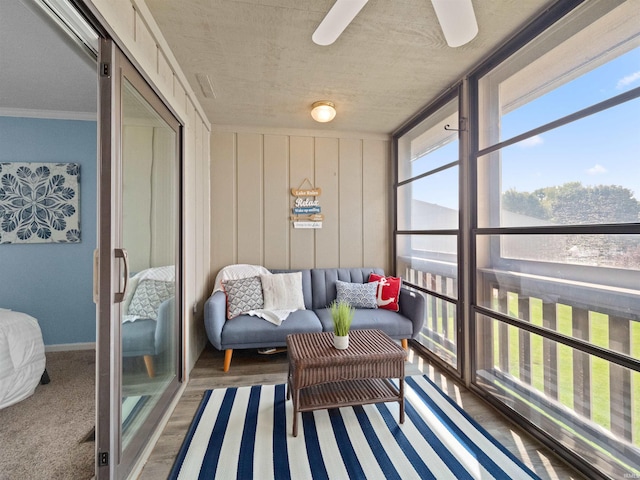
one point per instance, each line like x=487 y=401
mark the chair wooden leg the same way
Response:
x=148 y=362
x=227 y=359
x=405 y=343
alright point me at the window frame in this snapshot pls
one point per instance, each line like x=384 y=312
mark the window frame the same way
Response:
x=468 y=310
x=455 y=93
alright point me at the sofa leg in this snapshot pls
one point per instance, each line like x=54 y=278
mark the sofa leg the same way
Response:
x=405 y=343
x=227 y=359
x=148 y=362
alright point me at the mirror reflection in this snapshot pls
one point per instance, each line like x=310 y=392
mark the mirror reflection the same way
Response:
x=149 y=234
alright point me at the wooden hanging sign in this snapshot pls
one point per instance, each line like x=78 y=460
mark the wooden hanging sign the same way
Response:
x=306 y=208
x=307 y=224
x=318 y=217
x=303 y=202
x=301 y=191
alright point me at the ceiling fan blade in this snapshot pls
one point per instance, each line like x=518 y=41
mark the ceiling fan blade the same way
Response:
x=457 y=20
x=336 y=20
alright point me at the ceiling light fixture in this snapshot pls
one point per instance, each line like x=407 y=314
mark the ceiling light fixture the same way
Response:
x=457 y=20
x=323 y=111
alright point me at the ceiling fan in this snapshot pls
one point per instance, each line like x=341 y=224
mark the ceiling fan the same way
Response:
x=457 y=20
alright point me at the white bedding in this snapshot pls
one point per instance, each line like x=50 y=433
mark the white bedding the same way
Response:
x=22 y=359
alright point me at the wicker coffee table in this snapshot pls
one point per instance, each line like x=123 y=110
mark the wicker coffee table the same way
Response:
x=321 y=376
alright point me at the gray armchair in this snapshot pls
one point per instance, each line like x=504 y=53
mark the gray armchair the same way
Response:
x=147 y=338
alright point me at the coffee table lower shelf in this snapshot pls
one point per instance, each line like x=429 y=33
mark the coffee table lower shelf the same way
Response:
x=348 y=393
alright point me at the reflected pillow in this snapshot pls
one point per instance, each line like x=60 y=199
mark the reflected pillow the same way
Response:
x=283 y=291
x=358 y=295
x=148 y=296
x=243 y=295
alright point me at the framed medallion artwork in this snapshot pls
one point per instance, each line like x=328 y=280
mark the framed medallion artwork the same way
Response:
x=39 y=203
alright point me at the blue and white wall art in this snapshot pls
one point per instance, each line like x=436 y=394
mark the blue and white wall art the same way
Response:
x=39 y=202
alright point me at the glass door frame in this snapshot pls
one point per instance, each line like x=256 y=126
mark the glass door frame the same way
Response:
x=111 y=461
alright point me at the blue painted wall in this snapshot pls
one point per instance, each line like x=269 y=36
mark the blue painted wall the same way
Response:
x=53 y=282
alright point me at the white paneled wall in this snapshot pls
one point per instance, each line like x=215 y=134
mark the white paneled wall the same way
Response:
x=136 y=33
x=252 y=173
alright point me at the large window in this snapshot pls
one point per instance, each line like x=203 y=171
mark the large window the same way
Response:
x=557 y=250
x=550 y=231
x=427 y=197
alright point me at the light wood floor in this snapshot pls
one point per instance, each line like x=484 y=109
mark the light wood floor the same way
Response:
x=250 y=368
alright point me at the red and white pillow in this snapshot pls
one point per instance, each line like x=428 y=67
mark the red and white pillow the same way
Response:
x=388 y=291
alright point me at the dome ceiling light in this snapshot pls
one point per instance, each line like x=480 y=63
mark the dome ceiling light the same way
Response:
x=323 y=111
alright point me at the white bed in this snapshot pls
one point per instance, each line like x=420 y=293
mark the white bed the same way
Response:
x=22 y=359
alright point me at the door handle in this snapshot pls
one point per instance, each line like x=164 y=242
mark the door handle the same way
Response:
x=122 y=253
x=96 y=276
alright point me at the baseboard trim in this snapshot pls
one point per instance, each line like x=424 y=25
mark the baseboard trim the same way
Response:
x=67 y=347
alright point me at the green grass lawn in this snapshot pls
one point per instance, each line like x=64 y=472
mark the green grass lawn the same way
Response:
x=599 y=335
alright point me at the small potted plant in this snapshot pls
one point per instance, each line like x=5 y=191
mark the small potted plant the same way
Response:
x=342 y=315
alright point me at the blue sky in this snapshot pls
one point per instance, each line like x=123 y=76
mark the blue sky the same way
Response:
x=599 y=149
x=602 y=149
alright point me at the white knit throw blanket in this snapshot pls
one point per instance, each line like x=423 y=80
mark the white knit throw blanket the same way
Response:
x=236 y=272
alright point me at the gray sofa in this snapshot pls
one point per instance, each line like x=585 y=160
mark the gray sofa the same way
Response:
x=319 y=290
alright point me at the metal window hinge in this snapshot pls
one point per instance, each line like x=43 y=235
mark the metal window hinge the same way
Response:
x=105 y=69
x=103 y=459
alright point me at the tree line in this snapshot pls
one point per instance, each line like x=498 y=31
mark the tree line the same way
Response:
x=574 y=203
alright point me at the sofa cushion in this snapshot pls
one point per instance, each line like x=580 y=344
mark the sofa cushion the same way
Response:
x=246 y=331
x=323 y=282
x=392 y=323
x=243 y=295
x=306 y=285
x=282 y=291
x=388 y=291
x=358 y=295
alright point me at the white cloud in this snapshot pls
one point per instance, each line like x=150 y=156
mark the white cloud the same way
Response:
x=628 y=80
x=531 y=142
x=597 y=169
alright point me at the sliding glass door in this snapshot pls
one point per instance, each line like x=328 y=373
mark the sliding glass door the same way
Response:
x=139 y=264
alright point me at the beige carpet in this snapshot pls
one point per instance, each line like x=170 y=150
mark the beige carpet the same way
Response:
x=41 y=437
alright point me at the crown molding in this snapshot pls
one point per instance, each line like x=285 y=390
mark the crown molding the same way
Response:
x=48 y=114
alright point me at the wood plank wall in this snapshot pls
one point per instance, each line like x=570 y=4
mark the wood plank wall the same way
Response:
x=252 y=174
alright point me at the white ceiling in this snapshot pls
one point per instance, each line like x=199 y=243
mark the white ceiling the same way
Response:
x=387 y=65
x=41 y=69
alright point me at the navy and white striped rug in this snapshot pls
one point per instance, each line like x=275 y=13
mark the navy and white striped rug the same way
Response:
x=245 y=433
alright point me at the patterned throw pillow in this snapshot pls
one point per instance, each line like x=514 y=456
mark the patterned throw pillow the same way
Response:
x=243 y=295
x=148 y=296
x=388 y=291
x=358 y=295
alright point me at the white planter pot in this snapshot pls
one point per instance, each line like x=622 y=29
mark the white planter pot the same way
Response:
x=341 y=343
